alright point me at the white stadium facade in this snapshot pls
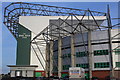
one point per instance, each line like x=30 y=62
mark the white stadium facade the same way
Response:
x=48 y=45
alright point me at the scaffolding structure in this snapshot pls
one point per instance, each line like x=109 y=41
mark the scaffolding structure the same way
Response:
x=58 y=31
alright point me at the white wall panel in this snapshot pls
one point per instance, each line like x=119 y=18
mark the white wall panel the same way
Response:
x=37 y=23
x=12 y=73
x=66 y=61
x=24 y=73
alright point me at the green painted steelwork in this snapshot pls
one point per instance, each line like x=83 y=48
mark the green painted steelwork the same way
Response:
x=38 y=74
x=87 y=76
x=23 y=46
x=64 y=74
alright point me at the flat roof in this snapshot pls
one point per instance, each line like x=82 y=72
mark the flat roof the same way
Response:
x=22 y=65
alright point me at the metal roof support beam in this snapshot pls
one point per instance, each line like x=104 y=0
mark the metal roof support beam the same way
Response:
x=110 y=42
x=46 y=40
x=115 y=36
x=81 y=23
x=37 y=57
x=50 y=35
x=46 y=35
x=94 y=19
x=60 y=28
x=116 y=25
x=38 y=35
x=83 y=40
x=48 y=27
x=40 y=51
x=69 y=25
x=116 y=48
x=29 y=9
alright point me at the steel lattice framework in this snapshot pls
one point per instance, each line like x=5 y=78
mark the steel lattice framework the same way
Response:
x=14 y=10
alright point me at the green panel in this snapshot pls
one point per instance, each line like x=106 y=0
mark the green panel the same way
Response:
x=64 y=74
x=69 y=55
x=38 y=74
x=117 y=64
x=66 y=67
x=66 y=56
x=23 y=46
x=81 y=54
x=87 y=76
x=101 y=65
x=101 y=52
x=82 y=65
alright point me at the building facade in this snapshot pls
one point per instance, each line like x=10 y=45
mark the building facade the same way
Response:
x=100 y=53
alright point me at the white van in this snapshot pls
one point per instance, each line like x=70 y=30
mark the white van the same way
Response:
x=76 y=72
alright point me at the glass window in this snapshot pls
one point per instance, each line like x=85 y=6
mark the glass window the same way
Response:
x=63 y=56
x=117 y=64
x=66 y=67
x=80 y=54
x=77 y=54
x=100 y=52
x=82 y=65
x=77 y=65
x=69 y=55
x=101 y=65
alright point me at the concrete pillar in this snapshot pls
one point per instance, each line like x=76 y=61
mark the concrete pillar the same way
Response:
x=90 y=55
x=59 y=56
x=47 y=60
x=72 y=52
x=51 y=58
